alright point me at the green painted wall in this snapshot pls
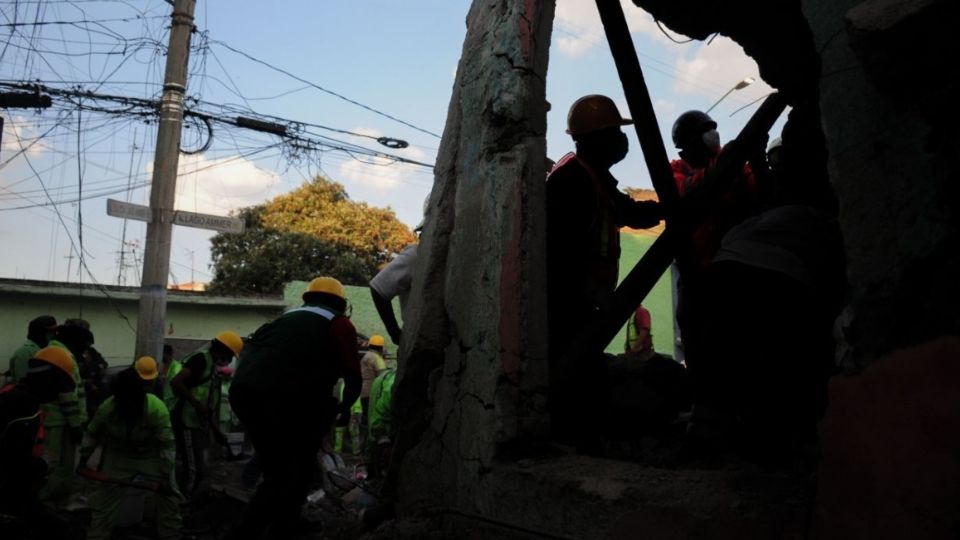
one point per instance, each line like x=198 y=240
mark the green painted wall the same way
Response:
x=115 y=339
x=659 y=302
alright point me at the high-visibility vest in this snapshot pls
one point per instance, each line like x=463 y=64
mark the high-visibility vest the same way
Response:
x=605 y=253
x=203 y=392
x=639 y=320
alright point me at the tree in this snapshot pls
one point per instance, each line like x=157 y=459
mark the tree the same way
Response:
x=314 y=230
x=322 y=208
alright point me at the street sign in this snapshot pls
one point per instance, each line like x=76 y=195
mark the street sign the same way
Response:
x=208 y=221
x=127 y=210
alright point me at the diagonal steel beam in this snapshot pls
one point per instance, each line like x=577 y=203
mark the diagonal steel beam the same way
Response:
x=638 y=101
x=690 y=212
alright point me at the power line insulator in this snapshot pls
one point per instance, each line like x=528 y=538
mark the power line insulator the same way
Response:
x=260 y=125
x=390 y=142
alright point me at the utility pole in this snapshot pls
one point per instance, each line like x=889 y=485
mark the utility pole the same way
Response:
x=156 y=259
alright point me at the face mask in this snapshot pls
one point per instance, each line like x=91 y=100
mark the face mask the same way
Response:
x=618 y=151
x=711 y=139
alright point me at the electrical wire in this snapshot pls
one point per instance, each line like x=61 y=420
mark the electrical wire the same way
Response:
x=322 y=89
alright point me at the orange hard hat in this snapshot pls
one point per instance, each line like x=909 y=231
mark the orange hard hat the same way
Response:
x=232 y=340
x=593 y=113
x=57 y=356
x=146 y=367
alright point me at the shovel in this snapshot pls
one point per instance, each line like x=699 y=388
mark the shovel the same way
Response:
x=98 y=476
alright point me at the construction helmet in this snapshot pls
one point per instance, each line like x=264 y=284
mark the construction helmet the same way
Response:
x=326 y=285
x=232 y=340
x=146 y=368
x=376 y=340
x=56 y=356
x=593 y=113
x=689 y=128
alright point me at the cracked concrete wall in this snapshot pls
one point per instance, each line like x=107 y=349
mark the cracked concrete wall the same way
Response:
x=890 y=118
x=473 y=365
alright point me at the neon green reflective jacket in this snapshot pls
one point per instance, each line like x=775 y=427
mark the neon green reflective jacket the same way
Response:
x=207 y=392
x=379 y=413
x=150 y=439
x=70 y=408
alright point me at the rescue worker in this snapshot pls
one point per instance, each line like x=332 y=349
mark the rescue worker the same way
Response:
x=282 y=392
x=380 y=423
x=63 y=423
x=133 y=427
x=49 y=374
x=39 y=332
x=639 y=342
x=146 y=367
x=394 y=281
x=585 y=212
x=192 y=394
x=352 y=428
x=696 y=137
x=371 y=365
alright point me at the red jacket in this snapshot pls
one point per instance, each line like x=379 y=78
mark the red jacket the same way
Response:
x=737 y=205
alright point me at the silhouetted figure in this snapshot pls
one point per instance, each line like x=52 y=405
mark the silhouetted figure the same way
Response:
x=695 y=135
x=22 y=467
x=39 y=332
x=774 y=289
x=585 y=212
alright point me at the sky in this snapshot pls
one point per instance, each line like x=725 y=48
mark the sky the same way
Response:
x=312 y=64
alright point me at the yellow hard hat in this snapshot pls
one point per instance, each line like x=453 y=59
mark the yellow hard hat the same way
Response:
x=232 y=340
x=328 y=285
x=376 y=340
x=593 y=113
x=146 y=367
x=58 y=357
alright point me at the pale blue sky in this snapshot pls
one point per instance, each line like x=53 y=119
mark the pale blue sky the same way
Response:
x=397 y=57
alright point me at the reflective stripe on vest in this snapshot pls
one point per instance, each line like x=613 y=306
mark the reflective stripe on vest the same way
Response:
x=325 y=313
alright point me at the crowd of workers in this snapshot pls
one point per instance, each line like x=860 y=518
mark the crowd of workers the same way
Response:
x=755 y=269
x=761 y=278
x=73 y=438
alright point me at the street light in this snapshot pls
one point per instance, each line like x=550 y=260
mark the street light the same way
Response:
x=747 y=81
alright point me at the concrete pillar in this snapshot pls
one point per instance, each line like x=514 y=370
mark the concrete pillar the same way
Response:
x=473 y=367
